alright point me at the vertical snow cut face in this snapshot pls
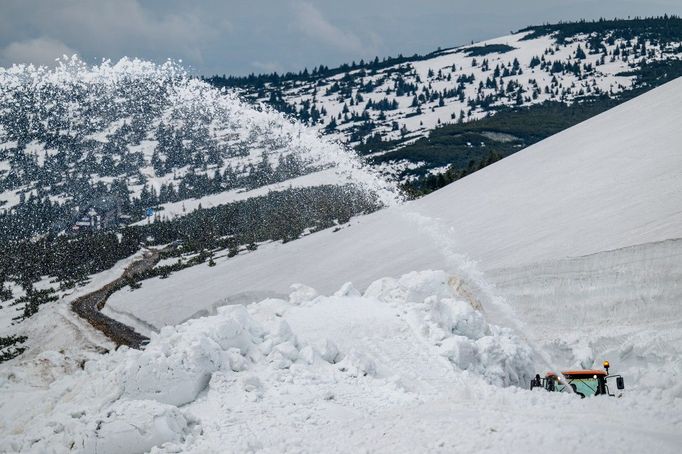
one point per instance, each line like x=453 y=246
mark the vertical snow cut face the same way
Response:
x=434 y=309
x=392 y=342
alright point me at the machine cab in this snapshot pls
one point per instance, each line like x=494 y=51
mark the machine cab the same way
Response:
x=584 y=383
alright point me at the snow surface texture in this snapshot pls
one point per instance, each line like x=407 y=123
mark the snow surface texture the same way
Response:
x=605 y=184
x=407 y=366
x=311 y=358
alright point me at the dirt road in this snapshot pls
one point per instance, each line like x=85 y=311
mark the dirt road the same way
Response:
x=89 y=306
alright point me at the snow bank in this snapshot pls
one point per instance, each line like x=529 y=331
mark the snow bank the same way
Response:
x=132 y=401
x=313 y=373
x=625 y=303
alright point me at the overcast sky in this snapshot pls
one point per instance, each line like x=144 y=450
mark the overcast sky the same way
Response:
x=243 y=36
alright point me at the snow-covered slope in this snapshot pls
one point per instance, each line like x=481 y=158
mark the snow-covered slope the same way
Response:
x=608 y=183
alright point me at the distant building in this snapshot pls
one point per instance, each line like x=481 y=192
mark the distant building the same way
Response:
x=103 y=213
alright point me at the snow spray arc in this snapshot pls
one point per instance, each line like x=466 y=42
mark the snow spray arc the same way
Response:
x=469 y=281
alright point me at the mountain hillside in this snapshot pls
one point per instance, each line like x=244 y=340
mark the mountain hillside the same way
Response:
x=138 y=133
x=96 y=161
x=182 y=271
x=571 y=245
x=382 y=106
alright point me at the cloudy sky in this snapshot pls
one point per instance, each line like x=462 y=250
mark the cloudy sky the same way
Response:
x=243 y=36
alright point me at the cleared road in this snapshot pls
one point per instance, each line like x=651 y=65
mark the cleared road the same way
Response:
x=89 y=306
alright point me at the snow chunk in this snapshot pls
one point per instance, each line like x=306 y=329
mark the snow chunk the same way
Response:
x=504 y=359
x=301 y=293
x=284 y=355
x=347 y=289
x=357 y=364
x=460 y=350
x=136 y=427
x=329 y=352
x=308 y=355
x=453 y=316
x=178 y=362
x=412 y=287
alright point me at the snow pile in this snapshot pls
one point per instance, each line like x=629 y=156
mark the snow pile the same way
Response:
x=460 y=332
x=382 y=341
x=57 y=403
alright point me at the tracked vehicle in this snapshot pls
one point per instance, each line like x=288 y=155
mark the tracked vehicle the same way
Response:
x=584 y=383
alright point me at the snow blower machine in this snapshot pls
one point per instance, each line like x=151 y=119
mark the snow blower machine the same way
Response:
x=584 y=383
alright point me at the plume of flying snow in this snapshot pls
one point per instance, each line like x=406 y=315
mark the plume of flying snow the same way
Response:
x=70 y=91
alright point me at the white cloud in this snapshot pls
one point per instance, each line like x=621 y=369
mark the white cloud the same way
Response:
x=108 y=29
x=313 y=24
x=39 y=51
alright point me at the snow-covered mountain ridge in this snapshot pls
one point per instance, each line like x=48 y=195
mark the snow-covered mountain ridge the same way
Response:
x=140 y=133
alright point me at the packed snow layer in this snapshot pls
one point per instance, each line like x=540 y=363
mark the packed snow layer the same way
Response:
x=622 y=305
x=312 y=357
x=607 y=183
